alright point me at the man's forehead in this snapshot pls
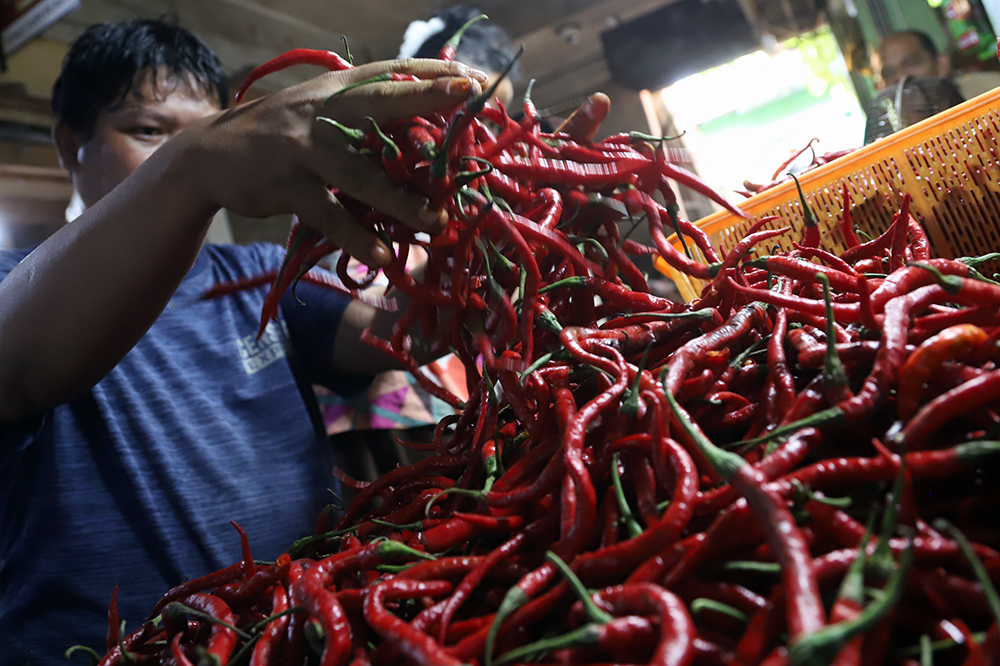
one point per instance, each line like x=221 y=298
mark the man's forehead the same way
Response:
x=155 y=88
x=900 y=45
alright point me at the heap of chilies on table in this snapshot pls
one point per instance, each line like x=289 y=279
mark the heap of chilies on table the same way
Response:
x=798 y=467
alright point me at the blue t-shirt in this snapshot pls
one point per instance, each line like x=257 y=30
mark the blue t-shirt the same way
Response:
x=134 y=483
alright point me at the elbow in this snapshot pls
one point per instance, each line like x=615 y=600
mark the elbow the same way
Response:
x=17 y=402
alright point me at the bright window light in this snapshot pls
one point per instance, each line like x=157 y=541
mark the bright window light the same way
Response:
x=744 y=118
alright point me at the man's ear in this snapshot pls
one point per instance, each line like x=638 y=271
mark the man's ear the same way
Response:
x=943 y=65
x=67 y=147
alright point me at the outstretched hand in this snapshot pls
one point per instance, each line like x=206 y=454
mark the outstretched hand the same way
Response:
x=271 y=156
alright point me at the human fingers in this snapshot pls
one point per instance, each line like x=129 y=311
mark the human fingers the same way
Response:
x=390 y=100
x=318 y=208
x=354 y=174
x=421 y=68
x=583 y=124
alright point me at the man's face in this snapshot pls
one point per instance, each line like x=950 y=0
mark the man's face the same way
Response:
x=902 y=55
x=129 y=132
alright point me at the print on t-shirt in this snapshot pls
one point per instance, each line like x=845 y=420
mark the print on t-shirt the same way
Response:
x=258 y=354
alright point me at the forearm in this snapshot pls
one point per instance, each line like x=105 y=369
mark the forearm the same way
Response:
x=353 y=355
x=74 y=307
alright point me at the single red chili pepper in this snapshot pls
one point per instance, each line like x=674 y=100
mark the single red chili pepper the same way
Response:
x=958 y=343
x=960 y=400
x=696 y=233
x=206 y=582
x=248 y=565
x=574 y=525
x=928 y=325
x=392 y=158
x=114 y=628
x=828 y=258
x=513 y=232
x=869 y=249
x=267 y=644
x=617 y=294
x=745 y=245
x=852 y=352
x=250 y=588
x=327 y=59
x=810 y=237
x=933 y=550
x=834 y=473
x=828 y=157
x=177 y=652
x=800 y=269
x=845 y=312
x=222 y=638
x=292 y=649
x=419 y=647
x=794 y=156
x=694 y=182
x=899 y=230
x=552 y=240
x=566 y=148
x=301 y=241
x=564 y=172
x=846 y=227
x=447 y=52
x=784 y=383
x=585 y=121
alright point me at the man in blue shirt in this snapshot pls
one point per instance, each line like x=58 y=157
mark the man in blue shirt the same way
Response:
x=135 y=420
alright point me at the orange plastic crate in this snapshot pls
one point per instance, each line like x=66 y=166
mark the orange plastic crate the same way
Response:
x=949 y=164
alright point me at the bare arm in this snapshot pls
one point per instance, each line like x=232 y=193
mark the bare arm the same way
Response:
x=74 y=307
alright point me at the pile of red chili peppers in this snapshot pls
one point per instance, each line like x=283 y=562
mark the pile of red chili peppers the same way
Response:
x=799 y=467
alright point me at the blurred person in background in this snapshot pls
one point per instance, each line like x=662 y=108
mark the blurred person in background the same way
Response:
x=915 y=83
x=485 y=45
x=908 y=53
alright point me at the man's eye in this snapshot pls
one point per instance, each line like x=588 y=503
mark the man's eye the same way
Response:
x=145 y=131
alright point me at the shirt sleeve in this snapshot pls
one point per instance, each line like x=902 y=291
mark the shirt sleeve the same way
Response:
x=312 y=316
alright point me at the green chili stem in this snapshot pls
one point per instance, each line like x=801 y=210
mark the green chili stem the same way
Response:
x=179 y=607
x=514 y=599
x=703 y=604
x=631 y=524
x=595 y=614
x=977 y=566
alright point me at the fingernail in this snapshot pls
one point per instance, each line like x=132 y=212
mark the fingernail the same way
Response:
x=479 y=74
x=454 y=85
x=433 y=218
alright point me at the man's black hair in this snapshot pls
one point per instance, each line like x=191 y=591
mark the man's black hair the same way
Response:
x=101 y=67
x=926 y=43
x=484 y=45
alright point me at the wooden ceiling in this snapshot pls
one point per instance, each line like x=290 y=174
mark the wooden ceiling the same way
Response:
x=561 y=37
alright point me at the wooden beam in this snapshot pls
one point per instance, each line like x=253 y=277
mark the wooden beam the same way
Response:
x=37 y=183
